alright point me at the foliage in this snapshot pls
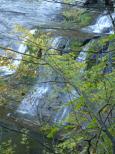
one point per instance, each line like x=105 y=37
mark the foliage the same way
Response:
x=92 y=103
x=90 y=85
x=7 y=148
x=79 y=16
x=91 y=108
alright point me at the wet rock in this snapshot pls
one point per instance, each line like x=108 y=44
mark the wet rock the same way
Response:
x=109 y=2
x=63 y=45
x=90 y=2
x=103 y=25
x=58 y=18
x=86 y=41
x=107 y=30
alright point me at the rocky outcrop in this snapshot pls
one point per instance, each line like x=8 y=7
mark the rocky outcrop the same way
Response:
x=90 y=2
x=109 y=2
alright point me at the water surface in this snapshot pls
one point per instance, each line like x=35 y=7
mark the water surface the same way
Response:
x=26 y=13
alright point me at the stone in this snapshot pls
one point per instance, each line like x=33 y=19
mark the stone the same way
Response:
x=107 y=30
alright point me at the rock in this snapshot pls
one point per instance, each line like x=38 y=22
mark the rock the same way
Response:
x=109 y=2
x=58 y=18
x=86 y=41
x=107 y=30
x=90 y=2
x=61 y=44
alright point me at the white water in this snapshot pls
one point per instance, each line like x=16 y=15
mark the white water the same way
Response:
x=65 y=110
x=102 y=25
x=83 y=54
x=5 y=70
x=62 y=114
x=26 y=13
x=30 y=103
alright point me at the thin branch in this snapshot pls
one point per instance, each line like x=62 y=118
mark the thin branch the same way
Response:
x=89 y=143
x=16 y=59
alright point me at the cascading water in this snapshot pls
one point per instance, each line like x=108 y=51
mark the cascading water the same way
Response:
x=83 y=54
x=4 y=70
x=65 y=109
x=30 y=103
x=102 y=25
x=25 y=13
x=29 y=106
x=62 y=114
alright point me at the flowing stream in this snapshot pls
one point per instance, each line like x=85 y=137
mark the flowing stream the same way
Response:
x=103 y=25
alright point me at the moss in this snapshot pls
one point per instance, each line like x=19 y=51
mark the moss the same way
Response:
x=81 y=17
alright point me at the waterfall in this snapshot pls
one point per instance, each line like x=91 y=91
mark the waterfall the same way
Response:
x=30 y=103
x=35 y=98
x=65 y=109
x=83 y=54
x=22 y=49
x=4 y=70
x=103 y=25
x=62 y=114
x=28 y=14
